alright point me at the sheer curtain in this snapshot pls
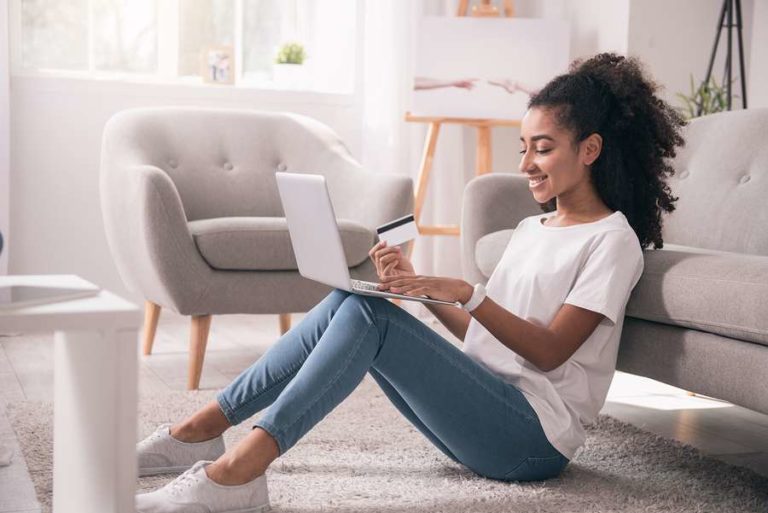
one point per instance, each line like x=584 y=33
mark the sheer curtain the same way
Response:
x=5 y=138
x=392 y=145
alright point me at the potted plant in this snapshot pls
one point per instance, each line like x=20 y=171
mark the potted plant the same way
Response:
x=710 y=96
x=289 y=69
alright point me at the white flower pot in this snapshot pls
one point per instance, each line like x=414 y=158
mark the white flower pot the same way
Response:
x=290 y=76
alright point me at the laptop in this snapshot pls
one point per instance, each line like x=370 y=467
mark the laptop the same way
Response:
x=316 y=240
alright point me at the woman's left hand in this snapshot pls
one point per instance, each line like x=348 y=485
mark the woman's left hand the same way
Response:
x=445 y=289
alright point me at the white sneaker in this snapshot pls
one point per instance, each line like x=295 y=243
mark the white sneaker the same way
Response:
x=160 y=453
x=194 y=492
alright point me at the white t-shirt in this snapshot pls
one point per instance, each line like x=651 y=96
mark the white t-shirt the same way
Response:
x=592 y=265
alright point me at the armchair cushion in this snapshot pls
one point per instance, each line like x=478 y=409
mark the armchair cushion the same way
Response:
x=713 y=291
x=264 y=244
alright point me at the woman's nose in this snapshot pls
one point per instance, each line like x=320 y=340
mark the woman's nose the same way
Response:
x=525 y=163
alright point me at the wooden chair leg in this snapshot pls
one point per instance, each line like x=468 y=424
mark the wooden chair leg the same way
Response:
x=285 y=323
x=151 y=316
x=198 y=339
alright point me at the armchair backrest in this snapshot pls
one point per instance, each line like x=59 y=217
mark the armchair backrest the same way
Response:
x=223 y=161
x=721 y=180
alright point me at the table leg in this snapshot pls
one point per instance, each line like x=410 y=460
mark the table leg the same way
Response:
x=95 y=421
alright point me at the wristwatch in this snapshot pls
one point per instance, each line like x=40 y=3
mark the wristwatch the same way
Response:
x=478 y=295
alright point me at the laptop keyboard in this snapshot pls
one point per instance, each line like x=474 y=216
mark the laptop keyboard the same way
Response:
x=364 y=285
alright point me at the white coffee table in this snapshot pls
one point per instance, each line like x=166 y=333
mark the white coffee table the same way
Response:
x=95 y=394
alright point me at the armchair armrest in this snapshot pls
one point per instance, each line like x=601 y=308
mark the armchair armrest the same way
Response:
x=148 y=236
x=491 y=203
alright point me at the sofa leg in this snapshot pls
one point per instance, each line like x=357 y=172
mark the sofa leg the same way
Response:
x=198 y=339
x=285 y=323
x=151 y=316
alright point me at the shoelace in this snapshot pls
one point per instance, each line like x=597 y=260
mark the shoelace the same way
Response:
x=185 y=481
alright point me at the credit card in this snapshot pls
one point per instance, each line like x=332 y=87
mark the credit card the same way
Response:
x=398 y=231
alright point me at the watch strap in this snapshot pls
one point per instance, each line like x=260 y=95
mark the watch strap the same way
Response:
x=478 y=295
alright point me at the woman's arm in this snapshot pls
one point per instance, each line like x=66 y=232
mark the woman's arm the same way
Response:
x=391 y=262
x=545 y=347
x=456 y=320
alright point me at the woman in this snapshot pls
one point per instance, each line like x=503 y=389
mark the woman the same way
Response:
x=540 y=345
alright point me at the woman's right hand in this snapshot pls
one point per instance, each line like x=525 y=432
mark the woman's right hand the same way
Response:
x=390 y=261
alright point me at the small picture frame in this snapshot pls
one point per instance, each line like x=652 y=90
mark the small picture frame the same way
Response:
x=217 y=65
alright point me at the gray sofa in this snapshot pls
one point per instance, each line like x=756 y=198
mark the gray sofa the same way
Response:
x=698 y=318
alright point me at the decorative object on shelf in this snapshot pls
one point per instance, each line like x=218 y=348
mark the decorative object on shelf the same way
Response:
x=289 y=69
x=731 y=9
x=708 y=98
x=218 y=65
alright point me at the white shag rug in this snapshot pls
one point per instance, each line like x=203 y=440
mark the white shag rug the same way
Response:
x=365 y=457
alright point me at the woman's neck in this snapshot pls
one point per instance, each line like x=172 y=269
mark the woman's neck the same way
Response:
x=580 y=206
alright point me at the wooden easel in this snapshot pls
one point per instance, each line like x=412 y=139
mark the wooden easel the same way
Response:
x=483 y=159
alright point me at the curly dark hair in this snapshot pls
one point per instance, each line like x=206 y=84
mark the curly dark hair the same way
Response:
x=610 y=95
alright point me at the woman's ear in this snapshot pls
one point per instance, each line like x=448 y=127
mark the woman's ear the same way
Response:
x=592 y=146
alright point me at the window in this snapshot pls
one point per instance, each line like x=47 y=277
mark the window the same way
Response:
x=45 y=23
x=173 y=39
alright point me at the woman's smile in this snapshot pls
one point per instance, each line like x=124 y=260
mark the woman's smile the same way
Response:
x=536 y=181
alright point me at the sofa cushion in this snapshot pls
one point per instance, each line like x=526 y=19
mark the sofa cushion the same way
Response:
x=714 y=291
x=264 y=244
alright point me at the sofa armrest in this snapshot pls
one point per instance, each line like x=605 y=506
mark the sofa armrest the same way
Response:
x=491 y=203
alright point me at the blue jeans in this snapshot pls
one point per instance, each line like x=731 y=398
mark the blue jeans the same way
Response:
x=466 y=411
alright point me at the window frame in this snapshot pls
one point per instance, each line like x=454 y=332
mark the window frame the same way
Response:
x=168 y=58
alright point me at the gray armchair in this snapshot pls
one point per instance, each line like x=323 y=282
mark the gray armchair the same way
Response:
x=194 y=220
x=698 y=318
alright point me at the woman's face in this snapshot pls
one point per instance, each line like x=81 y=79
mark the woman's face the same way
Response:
x=554 y=164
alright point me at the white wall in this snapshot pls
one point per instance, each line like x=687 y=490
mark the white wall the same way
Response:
x=4 y=136
x=757 y=94
x=56 y=136
x=675 y=39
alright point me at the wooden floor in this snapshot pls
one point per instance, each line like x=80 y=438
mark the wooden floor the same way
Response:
x=727 y=432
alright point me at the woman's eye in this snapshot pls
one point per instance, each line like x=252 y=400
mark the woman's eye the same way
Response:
x=543 y=151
